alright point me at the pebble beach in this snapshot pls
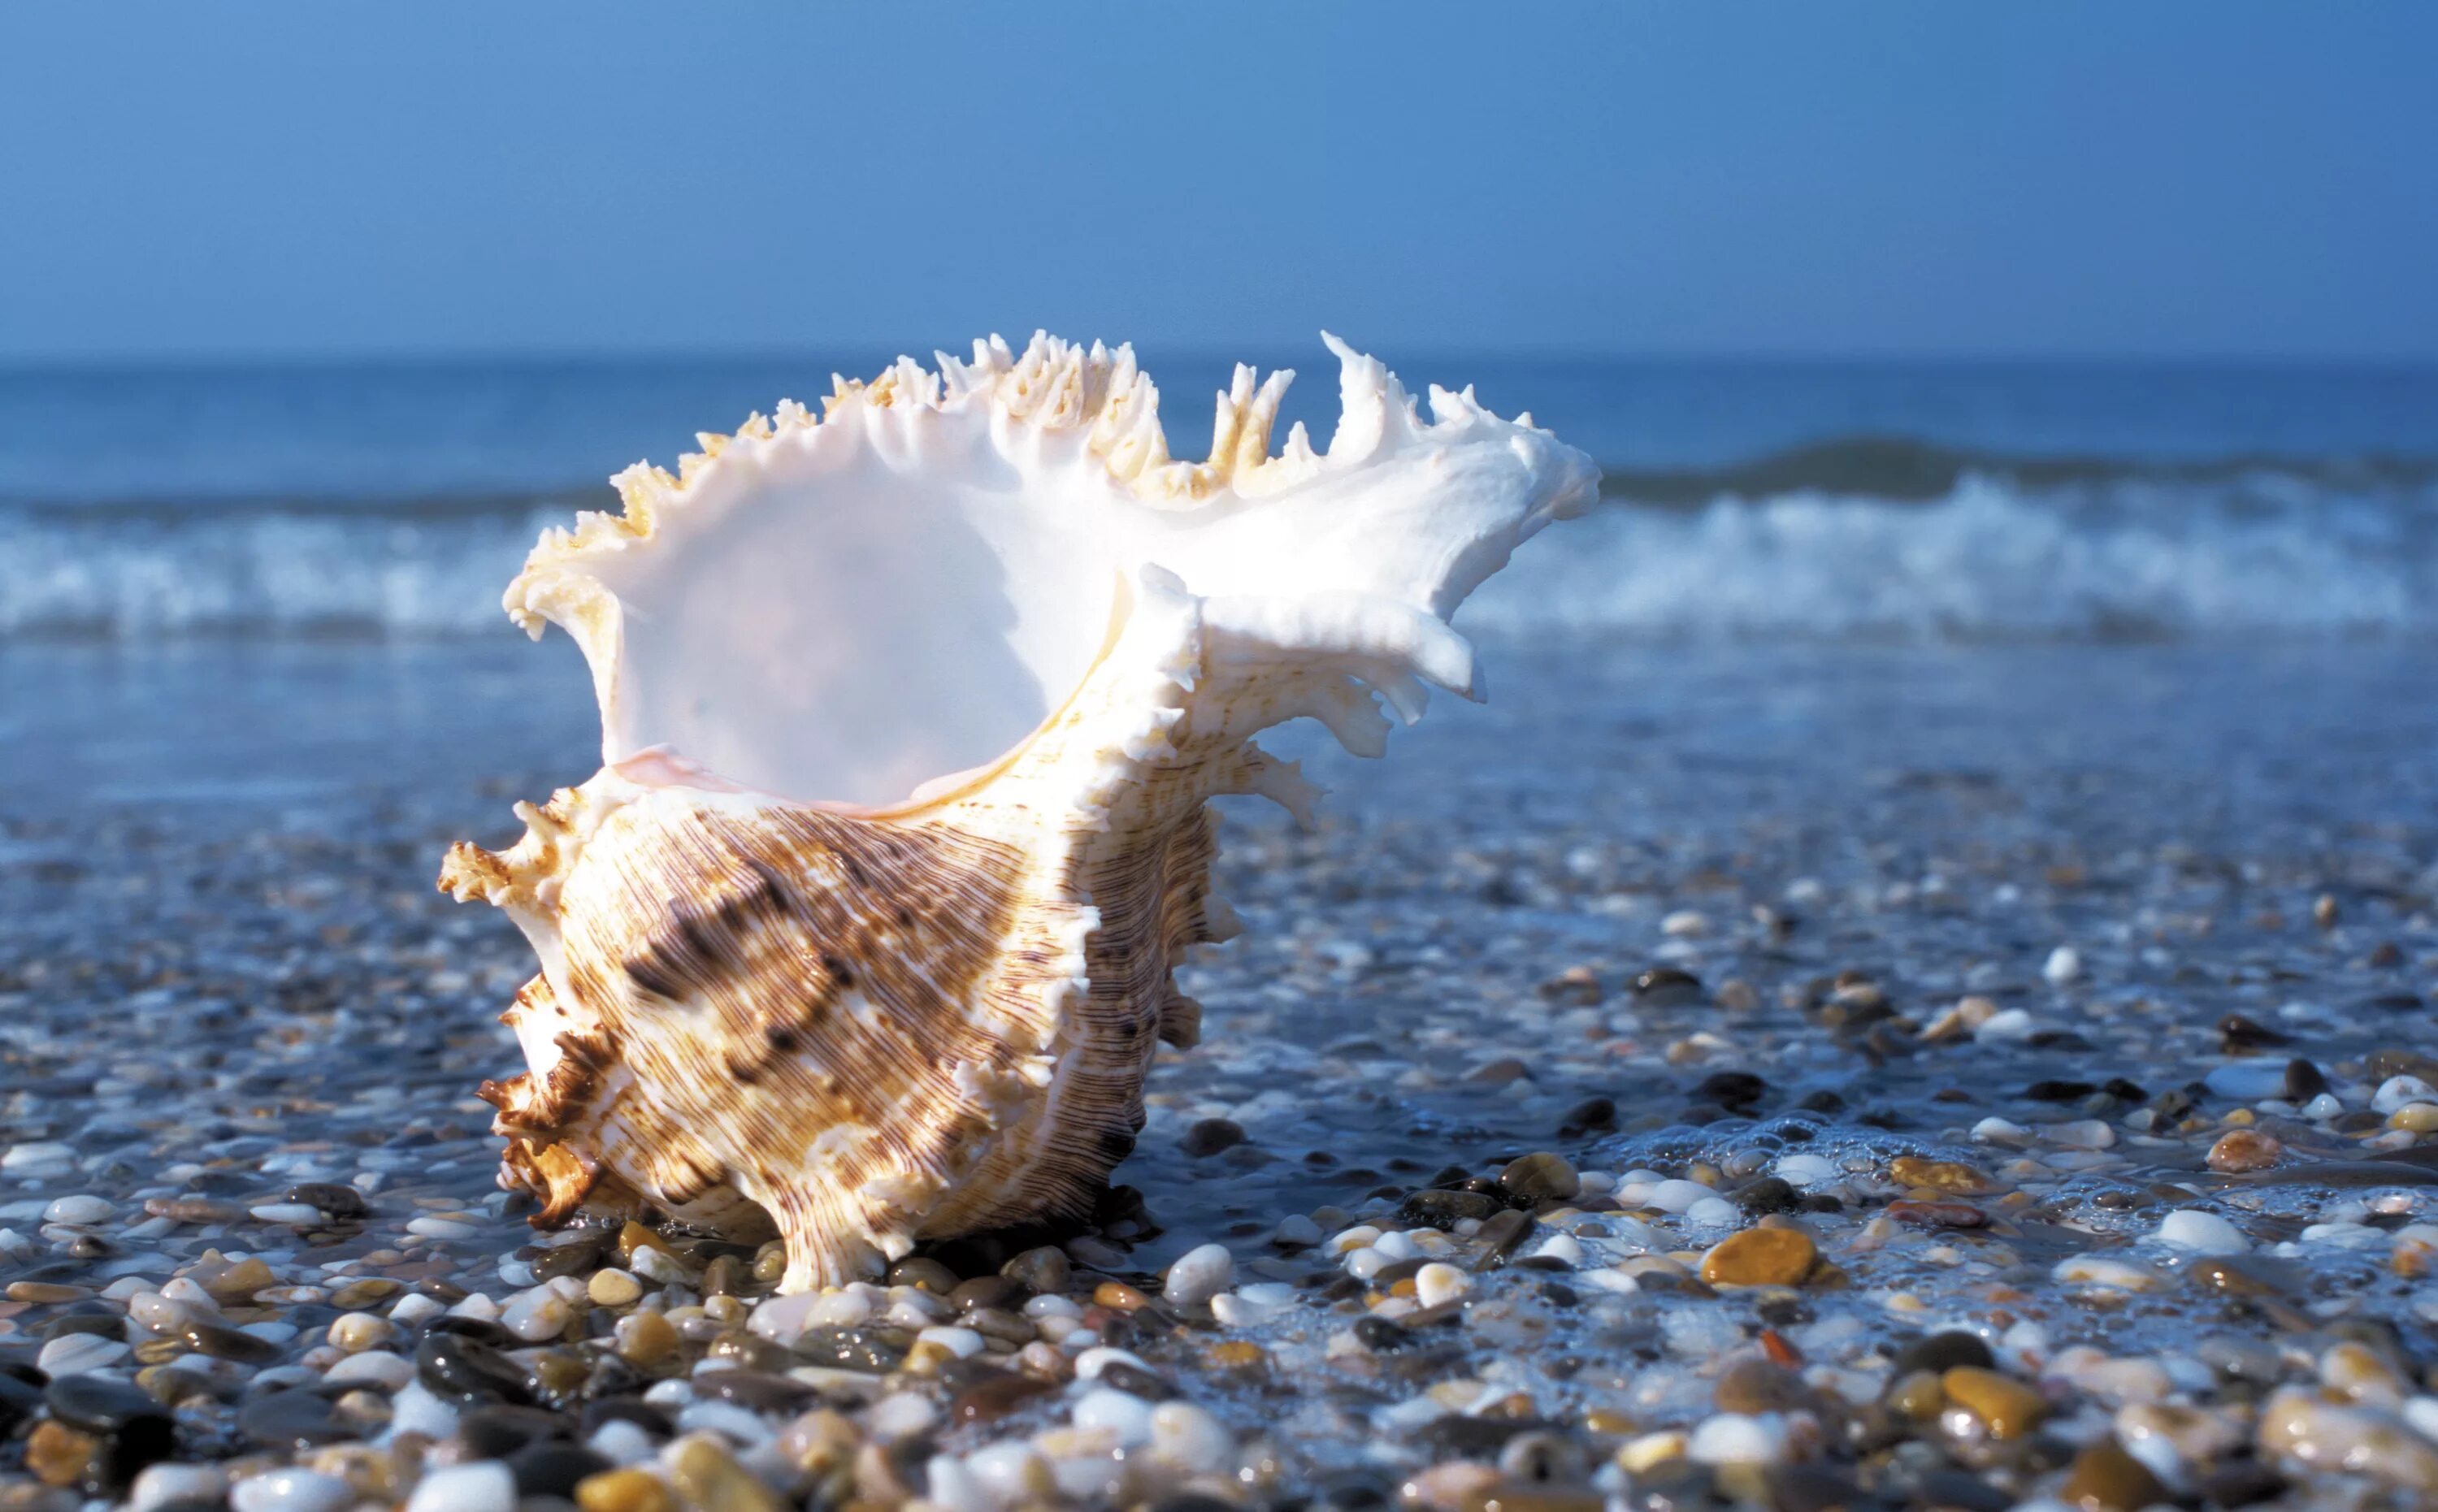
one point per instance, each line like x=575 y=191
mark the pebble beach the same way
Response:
x=1739 y=1077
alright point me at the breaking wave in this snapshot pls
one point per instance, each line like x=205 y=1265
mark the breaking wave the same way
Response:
x=1864 y=538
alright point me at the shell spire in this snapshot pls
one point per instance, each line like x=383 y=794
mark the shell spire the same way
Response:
x=865 y=930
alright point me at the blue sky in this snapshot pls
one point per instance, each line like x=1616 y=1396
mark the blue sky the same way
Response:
x=2182 y=180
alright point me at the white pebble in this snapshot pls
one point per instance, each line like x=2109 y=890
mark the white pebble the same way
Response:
x=621 y=1442
x=657 y=1265
x=783 y=1319
x=73 y=1354
x=415 y=1308
x=2008 y=1024
x=2392 y=1094
x=1235 y=1309
x=485 y=1485
x=2082 y=1133
x=535 y=1315
x=292 y=1491
x=1805 y=1170
x=1435 y=1283
x=1677 y=1195
x=1192 y=1437
x=963 y=1343
x=1397 y=1244
x=160 y=1313
x=1561 y=1247
x=1712 y=1211
x=352 y=1331
x=416 y=1410
x=1357 y=1238
x=436 y=1227
x=1011 y=1475
x=162 y=1483
x=1297 y=1230
x=374 y=1367
x=298 y=1213
x=36 y=1154
x=78 y=1210
x=1124 y=1413
x=2189 y=1228
x=2117 y=1276
x=2064 y=965
x=1738 y=1438
x=1199 y=1274
x=1089 y=1364
x=951 y=1487
x=901 y=1414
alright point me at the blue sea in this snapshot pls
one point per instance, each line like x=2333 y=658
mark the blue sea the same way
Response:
x=1814 y=501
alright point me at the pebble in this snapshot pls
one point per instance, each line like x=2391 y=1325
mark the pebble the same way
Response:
x=1760 y=1257
x=624 y=1490
x=2104 y=1478
x=162 y=1486
x=1438 y=1283
x=2244 y=1149
x=2299 y=1424
x=487 y=1486
x=73 y=1354
x=291 y=1490
x=1541 y=1177
x=613 y=1288
x=78 y=1210
x=1199 y=1274
x=708 y=1478
x=1738 y=1438
x=2202 y=1232
x=2064 y=965
x=2007 y=1407
x=1124 y=1413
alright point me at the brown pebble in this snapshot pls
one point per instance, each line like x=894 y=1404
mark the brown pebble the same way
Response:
x=1937 y=1215
x=993 y=1398
x=231 y=1280
x=57 y=1454
x=46 y=1292
x=709 y=1478
x=357 y=1295
x=1119 y=1296
x=1760 y=1257
x=2107 y=1479
x=625 y=1490
x=2007 y=1407
x=1540 y=1177
x=1756 y=1385
x=1939 y=1175
x=1235 y=1354
x=646 y=1337
x=724 y=1277
x=192 y=1210
x=2242 y=1149
x=1916 y=1395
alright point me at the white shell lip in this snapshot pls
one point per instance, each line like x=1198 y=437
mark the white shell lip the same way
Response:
x=846 y=610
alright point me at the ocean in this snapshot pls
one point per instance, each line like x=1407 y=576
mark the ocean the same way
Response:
x=1813 y=500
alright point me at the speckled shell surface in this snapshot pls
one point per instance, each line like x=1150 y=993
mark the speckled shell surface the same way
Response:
x=865 y=932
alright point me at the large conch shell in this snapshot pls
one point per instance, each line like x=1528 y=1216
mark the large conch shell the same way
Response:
x=865 y=929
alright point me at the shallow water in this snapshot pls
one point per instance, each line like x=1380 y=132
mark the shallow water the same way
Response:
x=223 y=970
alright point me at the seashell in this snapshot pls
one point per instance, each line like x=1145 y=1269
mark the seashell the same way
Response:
x=864 y=932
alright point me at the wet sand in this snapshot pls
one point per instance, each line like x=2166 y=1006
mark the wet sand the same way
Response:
x=1707 y=1074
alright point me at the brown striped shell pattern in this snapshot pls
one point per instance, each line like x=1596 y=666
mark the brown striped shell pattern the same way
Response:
x=865 y=931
